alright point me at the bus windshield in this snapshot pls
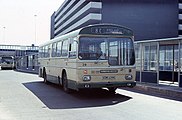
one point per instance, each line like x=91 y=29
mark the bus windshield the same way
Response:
x=118 y=51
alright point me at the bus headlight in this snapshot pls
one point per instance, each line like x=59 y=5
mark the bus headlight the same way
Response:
x=86 y=78
x=128 y=77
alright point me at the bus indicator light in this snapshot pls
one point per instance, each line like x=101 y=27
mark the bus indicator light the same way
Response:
x=85 y=72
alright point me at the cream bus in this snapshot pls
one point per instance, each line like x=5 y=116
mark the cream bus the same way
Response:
x=96 y=56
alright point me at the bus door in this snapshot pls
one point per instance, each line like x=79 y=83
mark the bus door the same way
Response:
x=72 y=57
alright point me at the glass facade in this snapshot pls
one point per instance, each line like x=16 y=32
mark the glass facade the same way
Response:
x=149 y=57
x=146 y=56
x=168 y=57
x=138 y=56
x=160 y=59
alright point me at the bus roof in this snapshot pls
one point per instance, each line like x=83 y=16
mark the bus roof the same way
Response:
x=96 y=29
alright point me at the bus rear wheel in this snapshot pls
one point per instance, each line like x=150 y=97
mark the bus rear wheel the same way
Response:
x=112 y=90
x=65 y=83
x=45 y=77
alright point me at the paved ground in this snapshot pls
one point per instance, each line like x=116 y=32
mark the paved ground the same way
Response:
x=25 y=97
x=160 y=90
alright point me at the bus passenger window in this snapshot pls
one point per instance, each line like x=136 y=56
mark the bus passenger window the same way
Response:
x=46 y=52
x=54 y=48
x=41 y=52
x=65 y=49
x=58 y=51
x=73 y=50
x=49 y=50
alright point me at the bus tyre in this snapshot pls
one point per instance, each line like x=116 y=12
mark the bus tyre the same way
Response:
x=65 y=83
x=45 y=77
x=112 y=90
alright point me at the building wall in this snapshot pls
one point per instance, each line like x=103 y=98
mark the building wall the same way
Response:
x=180 y=18
x=74 y=14
x=52 y=25
x=149 y=19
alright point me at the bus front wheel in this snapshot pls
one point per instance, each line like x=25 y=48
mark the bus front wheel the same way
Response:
x=65 y=83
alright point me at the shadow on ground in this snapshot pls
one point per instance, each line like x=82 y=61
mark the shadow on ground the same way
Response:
x=55 y=98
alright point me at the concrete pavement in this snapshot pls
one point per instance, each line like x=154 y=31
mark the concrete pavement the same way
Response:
x=171 y=92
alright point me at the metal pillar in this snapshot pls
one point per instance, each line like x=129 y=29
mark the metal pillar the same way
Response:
x=141 y=51
x=157 y=60
x=179 y=63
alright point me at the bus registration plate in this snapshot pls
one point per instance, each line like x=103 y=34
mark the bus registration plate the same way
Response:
x=108 y=77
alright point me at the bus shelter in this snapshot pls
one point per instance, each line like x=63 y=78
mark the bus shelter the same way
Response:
x=159 y=60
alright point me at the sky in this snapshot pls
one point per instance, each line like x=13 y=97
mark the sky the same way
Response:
x=26 y=22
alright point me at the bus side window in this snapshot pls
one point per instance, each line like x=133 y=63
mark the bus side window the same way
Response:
x=58 y=51
x=54 y=49
x=41 y=52
x=49 y=50
x=46 y=52
x=73 y=49
x=64 y=50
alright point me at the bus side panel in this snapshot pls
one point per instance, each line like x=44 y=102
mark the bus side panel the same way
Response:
x=52 y=76
x=71 y=69
x=59 y=65
x=43 y=66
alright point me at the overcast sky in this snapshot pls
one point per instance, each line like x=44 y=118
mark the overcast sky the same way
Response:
x=18 y=21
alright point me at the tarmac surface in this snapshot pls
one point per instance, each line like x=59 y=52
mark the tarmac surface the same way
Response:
x=25 y=97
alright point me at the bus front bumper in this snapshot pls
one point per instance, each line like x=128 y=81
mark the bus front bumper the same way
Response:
x=106 y=85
